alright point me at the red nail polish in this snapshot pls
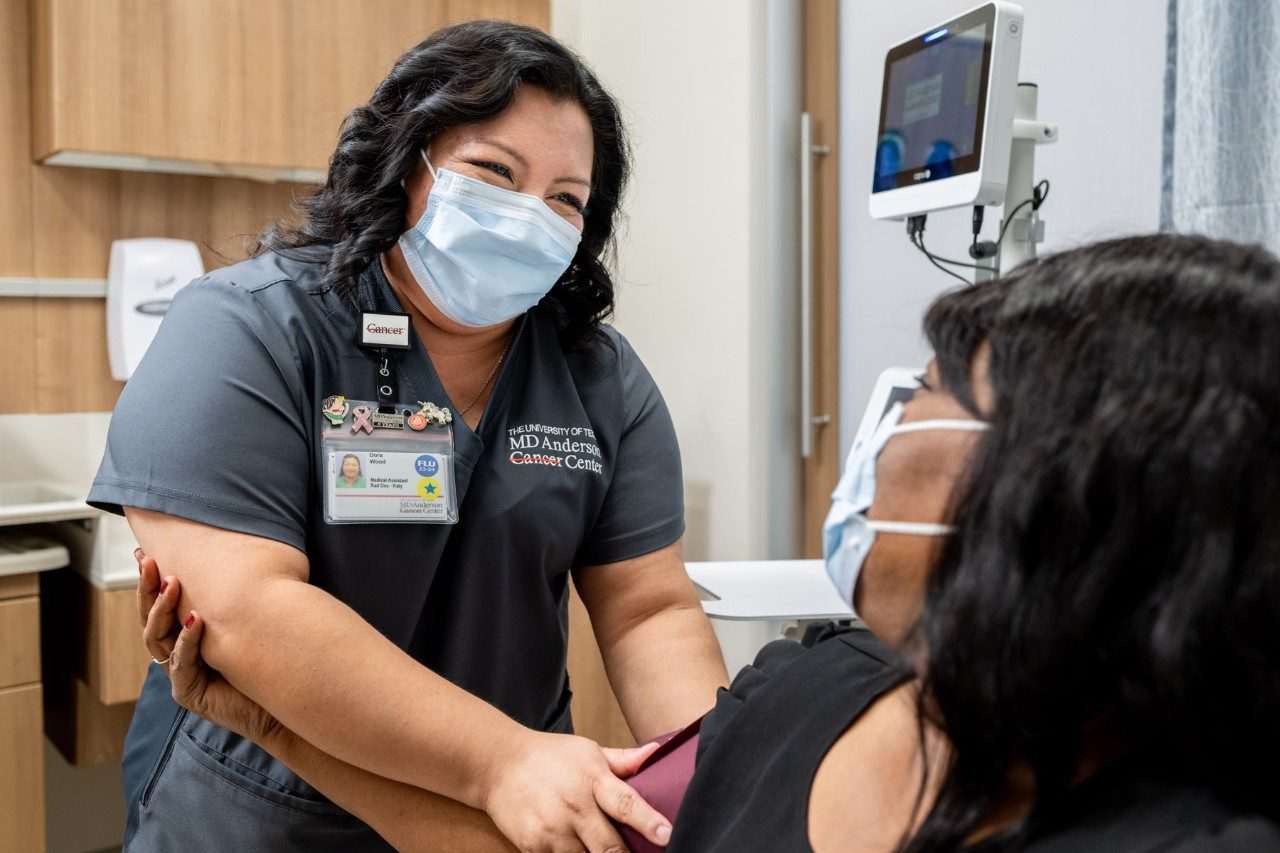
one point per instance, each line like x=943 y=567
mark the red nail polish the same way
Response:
x=163 y=586
x=189 y=621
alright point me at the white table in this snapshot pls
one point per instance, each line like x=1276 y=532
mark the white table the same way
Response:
x=768 y=590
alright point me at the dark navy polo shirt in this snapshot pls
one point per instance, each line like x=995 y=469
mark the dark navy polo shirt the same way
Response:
x=221 y=421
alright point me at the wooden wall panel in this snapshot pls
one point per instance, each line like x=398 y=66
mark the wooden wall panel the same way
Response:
x=535 y=13
x=74 y=214
x=78 y=212
x=17 y=354
x=222 y=215
x=71 y=351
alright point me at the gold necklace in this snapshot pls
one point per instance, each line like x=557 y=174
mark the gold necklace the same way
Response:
x=492 y=373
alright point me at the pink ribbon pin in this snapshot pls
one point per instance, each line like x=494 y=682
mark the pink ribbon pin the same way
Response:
x=362 y=415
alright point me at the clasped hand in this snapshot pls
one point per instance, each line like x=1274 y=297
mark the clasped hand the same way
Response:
x=548 y=792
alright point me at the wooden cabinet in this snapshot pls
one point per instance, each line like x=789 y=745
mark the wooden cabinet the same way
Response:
x=83 y=729
x=247 y=84
x=100 y=643
x=196 y=80
x=258 y=85
x=356 y=44
x=19 y=641
x=94 y=663
x=596 y=713
x=115 y=662
x=21 y=726
x=22 y=770
x=19 y=630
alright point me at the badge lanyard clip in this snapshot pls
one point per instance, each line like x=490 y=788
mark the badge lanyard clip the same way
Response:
x=382 y=332
x=386 y=382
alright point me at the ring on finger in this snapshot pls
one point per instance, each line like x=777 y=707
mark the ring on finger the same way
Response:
x=162 y=662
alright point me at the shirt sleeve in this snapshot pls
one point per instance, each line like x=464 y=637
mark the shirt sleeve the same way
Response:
x=210 y=426
x=644 y=508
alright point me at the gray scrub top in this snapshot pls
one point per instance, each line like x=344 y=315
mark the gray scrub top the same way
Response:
x=220 y=424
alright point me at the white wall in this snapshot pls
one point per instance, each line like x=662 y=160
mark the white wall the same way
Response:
x=711 y=93
x=1100 y=68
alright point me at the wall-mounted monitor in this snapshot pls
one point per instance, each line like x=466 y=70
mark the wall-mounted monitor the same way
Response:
x=946 y=114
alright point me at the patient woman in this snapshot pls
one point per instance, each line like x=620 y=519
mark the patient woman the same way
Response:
x=1092 y=660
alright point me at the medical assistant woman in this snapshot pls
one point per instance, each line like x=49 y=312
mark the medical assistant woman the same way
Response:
x=484 y=173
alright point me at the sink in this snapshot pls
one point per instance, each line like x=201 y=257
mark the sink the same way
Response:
x=14 y=494
x=34 y=501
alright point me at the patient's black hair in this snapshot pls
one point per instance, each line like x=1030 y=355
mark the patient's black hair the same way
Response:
x=956 y=324
x=1116 y=575
x=461 y=74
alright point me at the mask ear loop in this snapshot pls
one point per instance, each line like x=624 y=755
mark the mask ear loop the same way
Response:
x=422 y=152
x=942 y=424
x=911 y=528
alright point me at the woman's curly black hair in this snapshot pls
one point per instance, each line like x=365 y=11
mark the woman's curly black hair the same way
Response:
x=458 y=75
x=1116 y=573
x=956 y=325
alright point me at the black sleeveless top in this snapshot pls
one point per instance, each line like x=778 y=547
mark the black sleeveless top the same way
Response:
x=761 y=745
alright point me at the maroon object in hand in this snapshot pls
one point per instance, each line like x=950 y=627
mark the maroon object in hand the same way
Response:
x=662 y=779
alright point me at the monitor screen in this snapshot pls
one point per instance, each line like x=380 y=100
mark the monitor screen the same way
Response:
x=933 y=103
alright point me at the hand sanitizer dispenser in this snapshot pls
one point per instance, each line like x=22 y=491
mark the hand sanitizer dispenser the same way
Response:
x=142 y=278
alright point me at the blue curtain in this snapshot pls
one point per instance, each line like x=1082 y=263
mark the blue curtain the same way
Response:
x=1222 y=120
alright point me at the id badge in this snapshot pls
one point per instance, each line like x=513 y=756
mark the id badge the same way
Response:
x=387 y=464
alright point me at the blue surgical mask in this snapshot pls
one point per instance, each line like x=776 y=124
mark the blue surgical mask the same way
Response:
x=483 y=254
x=847 y=533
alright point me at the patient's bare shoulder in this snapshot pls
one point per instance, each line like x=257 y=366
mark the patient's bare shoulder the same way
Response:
x=864 y=794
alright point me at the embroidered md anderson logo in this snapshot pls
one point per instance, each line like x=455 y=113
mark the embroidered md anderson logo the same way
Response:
x=574 y=448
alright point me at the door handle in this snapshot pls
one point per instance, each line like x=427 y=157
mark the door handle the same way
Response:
x=808 y=420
